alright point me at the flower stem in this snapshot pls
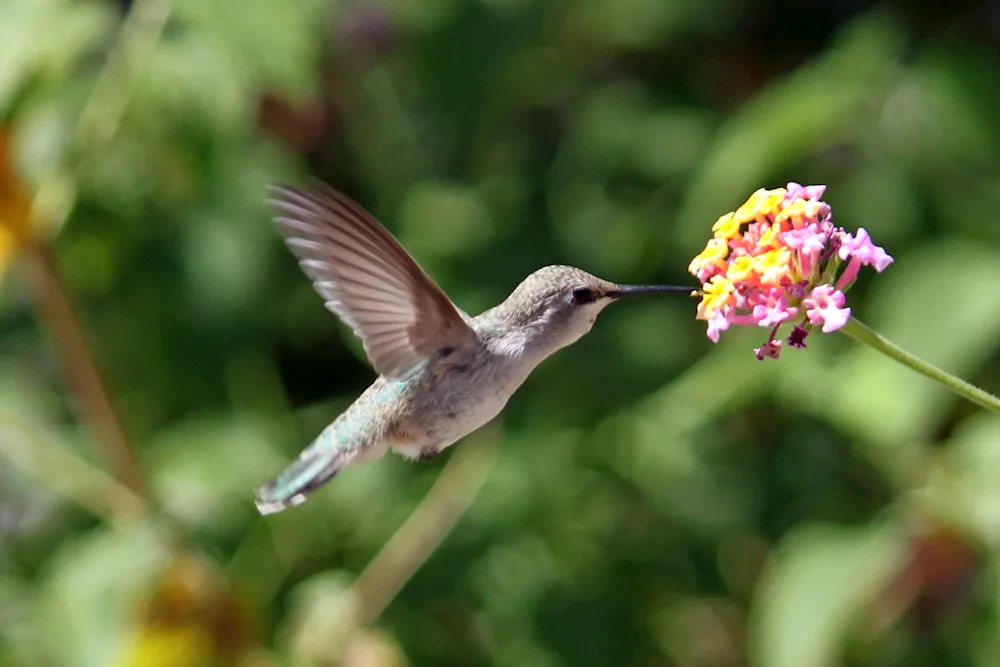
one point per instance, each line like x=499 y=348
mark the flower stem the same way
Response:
x=84 y=376
x=428 y=525
x=864 y=334
x=137 y=39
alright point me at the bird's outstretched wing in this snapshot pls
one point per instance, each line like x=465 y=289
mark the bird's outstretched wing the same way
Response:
x=368 y=279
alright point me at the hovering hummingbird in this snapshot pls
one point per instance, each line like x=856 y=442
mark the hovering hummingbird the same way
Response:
x=442 y=374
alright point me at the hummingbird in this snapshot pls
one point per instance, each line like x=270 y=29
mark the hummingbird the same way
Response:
x=442 y=374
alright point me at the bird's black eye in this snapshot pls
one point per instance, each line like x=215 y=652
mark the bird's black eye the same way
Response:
x=584 y=295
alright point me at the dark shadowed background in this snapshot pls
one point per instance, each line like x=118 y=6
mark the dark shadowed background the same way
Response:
x=648 y=498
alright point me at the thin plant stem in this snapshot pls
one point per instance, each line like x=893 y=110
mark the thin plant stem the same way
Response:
x=426 y=527
x=865 y=334
x=399 y=559
x=139 y=34
x=64 y=472
x=96 y=125
x=82 y=372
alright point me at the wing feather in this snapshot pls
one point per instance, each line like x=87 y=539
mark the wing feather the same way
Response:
x=366 y=278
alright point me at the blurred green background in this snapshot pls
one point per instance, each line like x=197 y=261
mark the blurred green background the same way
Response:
x=647 y=498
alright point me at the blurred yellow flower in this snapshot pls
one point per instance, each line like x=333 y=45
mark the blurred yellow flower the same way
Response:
x=15 y=204
x=181 y=646
x=191 y=619
x=7 y=248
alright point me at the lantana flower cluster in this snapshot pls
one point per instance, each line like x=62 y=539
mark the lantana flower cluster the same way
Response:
x=780 y=259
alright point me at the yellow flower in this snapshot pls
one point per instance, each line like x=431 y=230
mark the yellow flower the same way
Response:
x=726 y=227
x=781 y=268
x=741 y=268
x=774 y=265
x=8 y=245
x=761 y=204
x=15 y=205
x=716 y=294
x=181 y=646
x=714 y=254
x=769 y=239
x=190 y=619
x=798 y=211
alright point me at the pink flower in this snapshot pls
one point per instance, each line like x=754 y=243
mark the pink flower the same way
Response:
x=862 y=252
x=797 y=338
x=774 y=309
x=769 y=350
x=779 y=259
x=716 y=325
x=825 y=305
x=810 y=241
x=809 y=192
x=861 y=248
x=797 y=290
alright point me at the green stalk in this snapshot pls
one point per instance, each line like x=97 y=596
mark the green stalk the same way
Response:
x=864 y=334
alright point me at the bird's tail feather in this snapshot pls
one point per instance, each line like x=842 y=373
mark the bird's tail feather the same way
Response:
x=294 y=484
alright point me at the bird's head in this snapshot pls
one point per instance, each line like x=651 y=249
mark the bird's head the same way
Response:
x=560 y=303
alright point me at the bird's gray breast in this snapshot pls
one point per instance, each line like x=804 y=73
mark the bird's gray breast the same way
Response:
x=456 y=395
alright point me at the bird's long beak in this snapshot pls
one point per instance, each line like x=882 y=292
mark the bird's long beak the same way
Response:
x=652 y=289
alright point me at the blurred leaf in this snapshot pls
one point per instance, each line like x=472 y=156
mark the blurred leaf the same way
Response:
x=700 y=631
x=671 y=142
x=204 y=469
x=887 y=402
x=883 y=199
x=607 y=129
x=192 y=78
x=89 y=589
x=424 y=16
x=322 y=619
x=70 y=30
x=264 y=42
x=525 y=558
x=963 y=486
x=639 y=334
x=816 y=590
x=608 y=236
x=931 y=117
x=373 y=649
x=34 y=447
x=809 y=110
x=637 y=23
x=223 y=255
x=15 y=629
x=657 y=449
x=439 y=220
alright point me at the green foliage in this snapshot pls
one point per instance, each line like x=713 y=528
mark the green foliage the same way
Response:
x=657 y=500
x=843 y=569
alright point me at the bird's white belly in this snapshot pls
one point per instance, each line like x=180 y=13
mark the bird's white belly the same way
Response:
x=458 y=413
x=448 y=429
